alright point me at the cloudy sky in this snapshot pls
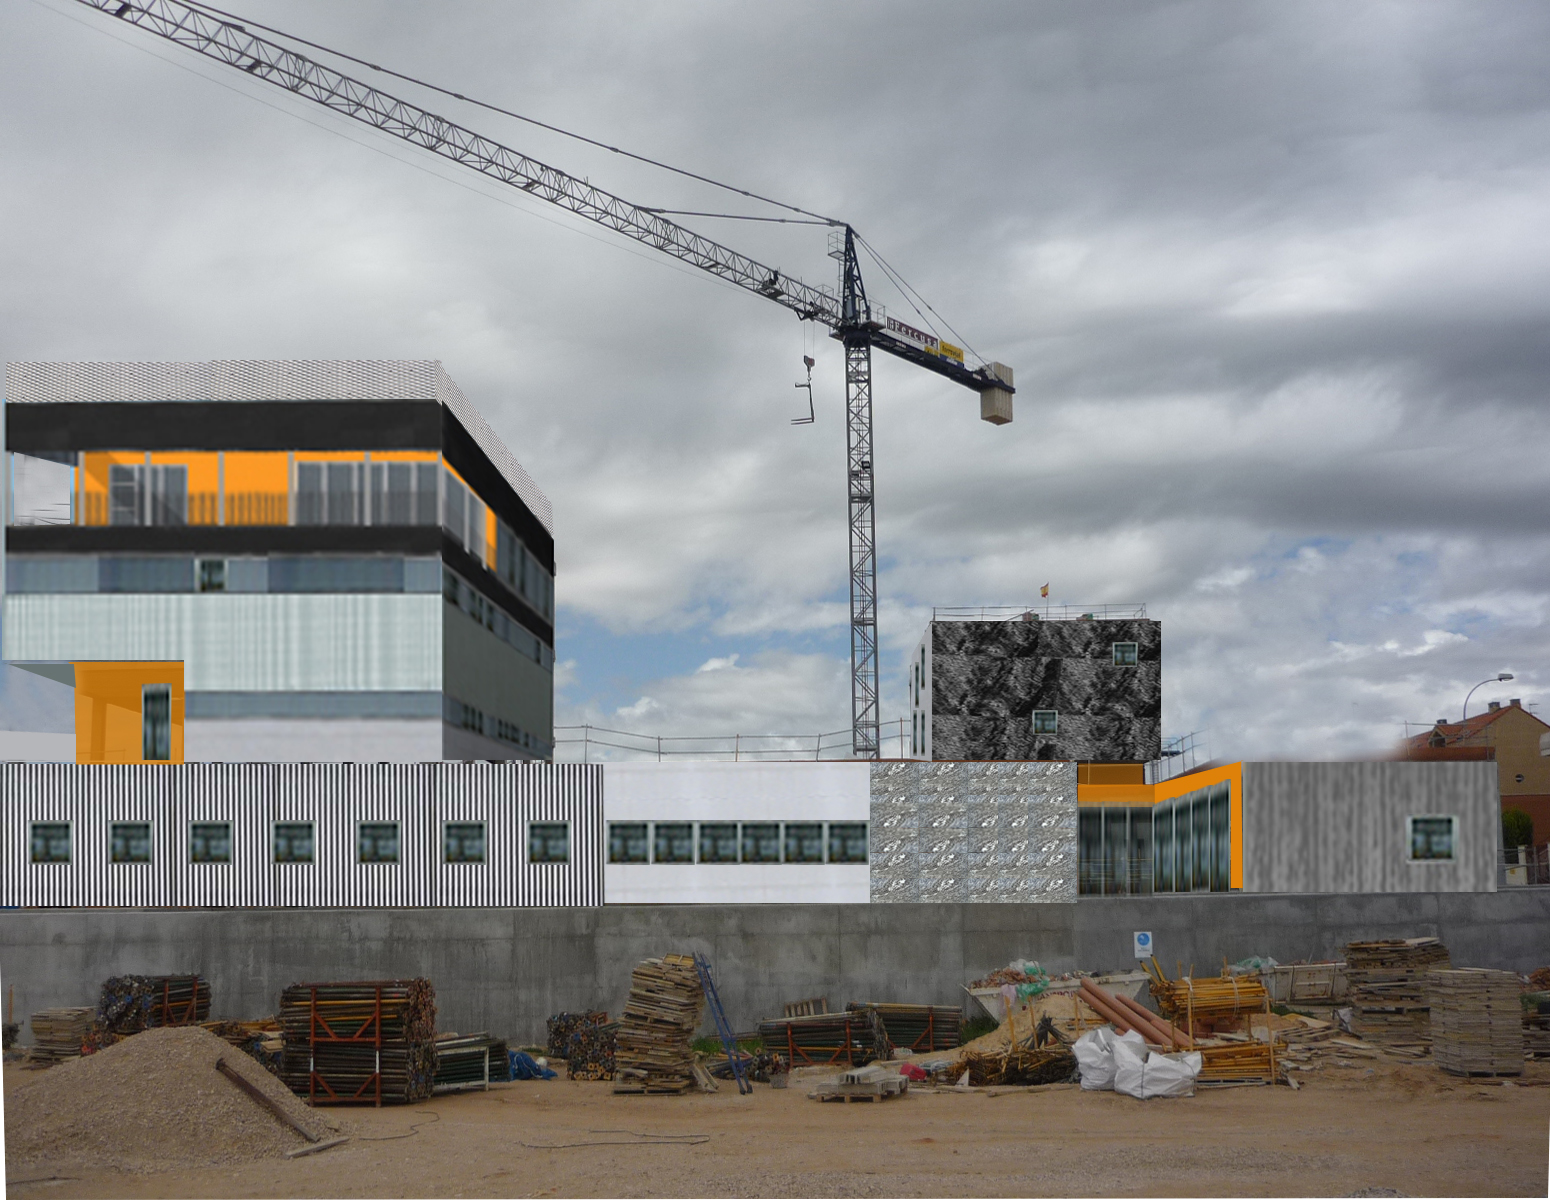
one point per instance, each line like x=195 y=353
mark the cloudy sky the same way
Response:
x=1273 y=279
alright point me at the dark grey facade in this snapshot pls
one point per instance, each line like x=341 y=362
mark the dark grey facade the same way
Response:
x=1075 y=690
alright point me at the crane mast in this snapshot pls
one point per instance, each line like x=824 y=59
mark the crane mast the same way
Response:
x=845 y=311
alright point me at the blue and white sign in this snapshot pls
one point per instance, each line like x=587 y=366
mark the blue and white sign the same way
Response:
x=1143 y=945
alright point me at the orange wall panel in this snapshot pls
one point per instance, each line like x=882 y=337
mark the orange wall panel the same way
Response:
x=109 y=724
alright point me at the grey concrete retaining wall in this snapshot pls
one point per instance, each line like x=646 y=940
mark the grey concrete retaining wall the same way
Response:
x=506 y=969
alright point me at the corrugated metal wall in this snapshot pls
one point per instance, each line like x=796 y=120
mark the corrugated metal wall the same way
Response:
x=334 y=798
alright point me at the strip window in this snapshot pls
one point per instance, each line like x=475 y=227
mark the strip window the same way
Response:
x=209 y=842
x=804 y=843
x=294 y=842
x=129 y=842
x=548 y=842
x=51 y=842
x=761 y=843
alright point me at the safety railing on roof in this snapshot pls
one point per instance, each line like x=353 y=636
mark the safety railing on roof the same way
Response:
x=594 y=743
x=1043 y=612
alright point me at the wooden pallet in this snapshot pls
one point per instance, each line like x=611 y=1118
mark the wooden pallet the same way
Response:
x=872 y=1090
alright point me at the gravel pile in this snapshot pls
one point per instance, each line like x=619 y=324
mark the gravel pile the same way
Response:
x=152 y=1102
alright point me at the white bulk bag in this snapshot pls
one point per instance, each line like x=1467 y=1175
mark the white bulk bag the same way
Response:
x=1094 y=1052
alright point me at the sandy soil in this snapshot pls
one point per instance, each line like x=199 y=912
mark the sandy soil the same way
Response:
x=1403 y=1127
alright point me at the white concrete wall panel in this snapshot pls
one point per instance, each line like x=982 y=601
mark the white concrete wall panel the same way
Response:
x=238 y=643
x=263 y=739
x=733 y=791
x=1342 y=827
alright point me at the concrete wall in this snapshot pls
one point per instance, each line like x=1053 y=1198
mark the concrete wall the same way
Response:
x=507 y=969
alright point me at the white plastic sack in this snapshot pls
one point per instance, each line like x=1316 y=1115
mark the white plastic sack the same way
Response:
x=1095 y=1056
x=1130 y=1066
x=1144 y=1074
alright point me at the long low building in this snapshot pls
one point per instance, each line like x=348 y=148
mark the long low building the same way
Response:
x=442 y=834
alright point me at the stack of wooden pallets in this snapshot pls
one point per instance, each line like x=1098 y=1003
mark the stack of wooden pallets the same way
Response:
x=666 y=1001
x=1388 y=988
x=1477 y=1022
x=58 y=1034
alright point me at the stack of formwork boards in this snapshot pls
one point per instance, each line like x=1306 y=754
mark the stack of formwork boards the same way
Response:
x=58 y=1034
x=1477 y=1021
x=652 y=1052
x=1388 y=988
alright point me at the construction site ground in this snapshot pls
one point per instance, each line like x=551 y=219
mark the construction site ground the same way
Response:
x=1373 y=1127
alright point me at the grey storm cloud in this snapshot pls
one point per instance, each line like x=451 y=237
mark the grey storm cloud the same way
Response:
x=1273 y=279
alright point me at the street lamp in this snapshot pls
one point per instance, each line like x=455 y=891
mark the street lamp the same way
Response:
x=1502 y=678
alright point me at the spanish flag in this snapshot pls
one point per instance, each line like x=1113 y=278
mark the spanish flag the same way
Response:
x=1044 y=592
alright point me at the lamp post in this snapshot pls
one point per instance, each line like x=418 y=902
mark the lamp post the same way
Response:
x=1502 y=678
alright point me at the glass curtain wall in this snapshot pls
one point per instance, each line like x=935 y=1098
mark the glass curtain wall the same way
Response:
x=1181 y=845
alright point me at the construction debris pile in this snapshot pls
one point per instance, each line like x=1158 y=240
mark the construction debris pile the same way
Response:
x=58 y=1034
x=132 y=1003
x=1476 y=1021
x=470 y=1060
x=1020 y=1065
x=660 y=1017
x=359 y=1043
x=153 y=1102
x=1388 y=989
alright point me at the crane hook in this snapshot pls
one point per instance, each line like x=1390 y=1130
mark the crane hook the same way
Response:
x=807 y=420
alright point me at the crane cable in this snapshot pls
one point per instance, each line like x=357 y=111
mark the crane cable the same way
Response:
x=243 y=22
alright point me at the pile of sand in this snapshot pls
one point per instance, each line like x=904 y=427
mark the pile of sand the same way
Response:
x=152 y=1102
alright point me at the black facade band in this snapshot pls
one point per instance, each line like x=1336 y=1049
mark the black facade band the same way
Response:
x=225 y=540
x=465 y=457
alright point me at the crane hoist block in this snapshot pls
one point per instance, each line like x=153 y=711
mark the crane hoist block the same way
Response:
x=996 y=403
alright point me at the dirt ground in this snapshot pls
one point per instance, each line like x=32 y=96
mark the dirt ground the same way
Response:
x=1406 y=1128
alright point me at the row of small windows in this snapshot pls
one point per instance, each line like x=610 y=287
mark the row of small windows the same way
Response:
x=466 y=598
x=157 y=573
x=465 y=716
x=734 y=842
x=296 y=842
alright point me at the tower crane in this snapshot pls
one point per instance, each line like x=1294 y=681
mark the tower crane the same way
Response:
x=857 y=324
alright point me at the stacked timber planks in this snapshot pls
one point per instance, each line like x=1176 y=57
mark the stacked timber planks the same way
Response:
x=1388 y=988
x=469 y=1061
x=663 y=1011
x=58 y=1034
x=372 y=1042
x=916 y=1027
x=590 y=1051
x=1476 y=1021
x=131 y=1003
x=854 y=1037
x=562 y=1026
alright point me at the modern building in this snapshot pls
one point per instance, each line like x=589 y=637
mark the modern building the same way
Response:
x=276 y=561
x=1023 y=684
x=1506 y=734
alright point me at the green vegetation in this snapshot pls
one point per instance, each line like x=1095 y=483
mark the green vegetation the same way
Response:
x=1517 y=828
x=711 y=1047
x=976 y=1027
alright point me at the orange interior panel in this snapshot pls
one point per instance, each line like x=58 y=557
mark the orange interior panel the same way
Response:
x=1141 y=794
x=109 y=724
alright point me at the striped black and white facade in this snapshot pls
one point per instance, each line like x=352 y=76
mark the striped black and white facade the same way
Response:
x=253 y=801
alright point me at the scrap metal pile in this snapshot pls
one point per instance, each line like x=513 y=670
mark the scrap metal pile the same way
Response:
x=1388 y=989
x=1476 y=1021
x=666 y=1001
x=562 y=1026
x=360 y=1043
x=131 y=1003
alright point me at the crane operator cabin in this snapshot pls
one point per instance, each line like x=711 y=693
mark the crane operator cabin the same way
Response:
x=277 y=561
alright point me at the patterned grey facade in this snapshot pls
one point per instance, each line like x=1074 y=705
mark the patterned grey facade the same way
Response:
x=985 y=680
x=335 y=798
x=974 y=832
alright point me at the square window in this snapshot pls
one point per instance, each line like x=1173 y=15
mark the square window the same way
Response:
x=209 y=843
x=51 y=843
x=627 y=843
x=463 y=843
x=761 y=843
x=156 y=722
x=1125 y=654
x=1045 y=720
x=804 y=843
x=674 y=844
x=549 y=843
x=130 y=842
x=1431 y=839
x=718 y=843
x=376 y=842
x=211 y=575
x=293 y=843
x=847 y=843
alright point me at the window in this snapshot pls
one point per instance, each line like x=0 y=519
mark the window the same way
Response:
x=548 y=843
x=123 y=496
x=718 y=843
x=50 y=843
x=328 y=493
x=131 y=502
x=121 y=573
x=326 y=573
x=156 y=722
x=463 y=843
x=761 y=843
x=847 y=843
x=209 y=843
x=210 y=575
x=376 y=842
x=403 y=493
x=1045 y=720
x=627 y=843
x=1431 y=839
x=129 y=842
x=674 y=844
x=1125 y=654
x=804 y=843
x=293 y=843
